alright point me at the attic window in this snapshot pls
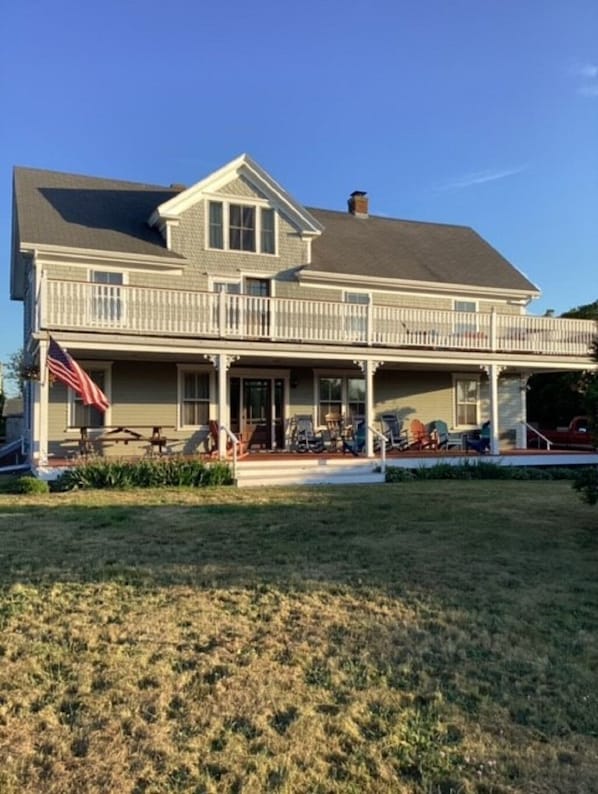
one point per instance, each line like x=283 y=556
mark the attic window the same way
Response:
x=241 y=227
x=241 y=231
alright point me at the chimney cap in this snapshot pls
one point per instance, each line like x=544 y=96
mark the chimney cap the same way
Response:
x=359 y=193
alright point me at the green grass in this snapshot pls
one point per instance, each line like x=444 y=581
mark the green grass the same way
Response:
x=427 y=637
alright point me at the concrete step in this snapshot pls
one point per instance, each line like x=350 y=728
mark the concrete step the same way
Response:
x=308 y=472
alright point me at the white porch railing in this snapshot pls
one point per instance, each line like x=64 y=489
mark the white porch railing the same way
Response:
x=76 y=305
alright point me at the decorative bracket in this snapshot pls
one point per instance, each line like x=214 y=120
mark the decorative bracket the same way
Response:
x=363 y=364
x=221 y=358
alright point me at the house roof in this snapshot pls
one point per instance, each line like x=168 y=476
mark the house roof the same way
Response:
x=410 y=250
x=75 y=211
x=68 y=210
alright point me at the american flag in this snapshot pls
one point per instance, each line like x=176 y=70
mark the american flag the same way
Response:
x=67 y=371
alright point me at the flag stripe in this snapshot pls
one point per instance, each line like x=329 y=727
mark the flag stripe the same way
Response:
x=67 y=371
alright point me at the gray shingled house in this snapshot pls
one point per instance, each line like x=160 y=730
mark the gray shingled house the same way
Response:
x=229 y=302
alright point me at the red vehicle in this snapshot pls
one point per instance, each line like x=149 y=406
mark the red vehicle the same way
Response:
x=576 y=435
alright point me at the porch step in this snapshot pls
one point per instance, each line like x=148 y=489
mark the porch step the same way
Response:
x=311 y=471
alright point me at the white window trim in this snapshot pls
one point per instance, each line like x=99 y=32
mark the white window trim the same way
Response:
x=106 y=367
x=182 y=369
x=466 y=300
x=458 y=376
x=108 y=269
x=367 y=293
x=258 y=205
x=223 y=280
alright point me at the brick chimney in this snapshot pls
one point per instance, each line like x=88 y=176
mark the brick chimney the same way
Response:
x=358 y=204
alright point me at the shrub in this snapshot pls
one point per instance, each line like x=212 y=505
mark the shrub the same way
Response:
x=480 y=470
x=586 y=482
x=28 y=484
x=158 y=473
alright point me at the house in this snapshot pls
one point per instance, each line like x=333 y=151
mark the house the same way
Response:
x=230 y=301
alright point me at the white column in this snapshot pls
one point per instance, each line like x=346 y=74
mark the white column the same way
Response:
x=369 y=367
x=222 y=403
x=493 y=373
x=39 y=430
x=521 y=427
x=222 y=362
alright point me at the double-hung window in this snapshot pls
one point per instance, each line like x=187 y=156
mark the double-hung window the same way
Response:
x=356 y=323
x=344 y=396
x=465 y=324
x=331 y=398
x=107 y=299
x=467 y=400
x=194 y=398
x=86 y=415
x=241 y=227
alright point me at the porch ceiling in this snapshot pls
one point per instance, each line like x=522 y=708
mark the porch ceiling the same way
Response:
x=266 y=354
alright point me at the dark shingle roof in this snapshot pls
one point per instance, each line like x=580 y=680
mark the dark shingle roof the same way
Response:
x=61 y=209
x=389 y=248
x=85 y=212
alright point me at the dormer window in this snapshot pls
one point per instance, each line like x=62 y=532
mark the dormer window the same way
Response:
x=240 y=227
x=241 y=230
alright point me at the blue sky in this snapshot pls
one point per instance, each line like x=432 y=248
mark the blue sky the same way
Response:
x=478 y=113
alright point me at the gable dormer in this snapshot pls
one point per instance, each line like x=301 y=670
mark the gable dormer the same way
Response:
x=239 y=208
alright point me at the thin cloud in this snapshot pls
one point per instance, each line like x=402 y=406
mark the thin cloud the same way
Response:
x=480 y=178
x=588 y=70
x=587 y=75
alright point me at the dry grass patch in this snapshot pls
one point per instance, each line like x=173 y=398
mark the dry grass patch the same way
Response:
x=422 y=637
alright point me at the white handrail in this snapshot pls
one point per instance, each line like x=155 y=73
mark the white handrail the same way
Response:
x=537 y=432
x=383 y=440
x=236 y=442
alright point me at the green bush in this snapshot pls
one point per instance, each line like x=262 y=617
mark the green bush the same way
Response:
x=158 y=473
x=586 y=482
x=28 y=484
x=480 y=470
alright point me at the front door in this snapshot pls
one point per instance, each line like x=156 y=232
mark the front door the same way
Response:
x=256 y=412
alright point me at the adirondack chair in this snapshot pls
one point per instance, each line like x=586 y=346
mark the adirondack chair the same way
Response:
x=445 y=439
x=214 y=432
x=392 y=427
x=419 y=436
x=480 y=441
x=356 y=445
x=305 y=437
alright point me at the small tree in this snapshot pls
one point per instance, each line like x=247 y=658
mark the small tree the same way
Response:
x=15 y=369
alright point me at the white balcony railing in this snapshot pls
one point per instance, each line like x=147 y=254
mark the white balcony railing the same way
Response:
x=145 y=310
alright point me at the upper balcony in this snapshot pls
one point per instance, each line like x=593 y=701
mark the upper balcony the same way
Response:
x=83 y=306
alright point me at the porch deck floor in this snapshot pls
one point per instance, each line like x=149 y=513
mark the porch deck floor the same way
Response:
x=521 y=457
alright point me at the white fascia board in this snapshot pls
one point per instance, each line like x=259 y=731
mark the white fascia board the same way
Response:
x=260 y=179
x=57 y=254
x=408 y=285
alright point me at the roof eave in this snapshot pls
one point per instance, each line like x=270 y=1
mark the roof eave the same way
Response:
x=411 y=285
x=124 y=257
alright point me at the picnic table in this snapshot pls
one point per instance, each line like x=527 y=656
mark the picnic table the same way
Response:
x=121 y=434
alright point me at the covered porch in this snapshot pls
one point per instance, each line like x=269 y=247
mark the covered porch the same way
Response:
x=254 y=392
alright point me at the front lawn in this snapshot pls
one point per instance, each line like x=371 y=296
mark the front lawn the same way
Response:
x=428 y=637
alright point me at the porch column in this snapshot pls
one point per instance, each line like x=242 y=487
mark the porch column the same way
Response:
x=369 y=367
x=521 y=427
x=39 y=434
x=222 y=362
x=494 y=371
